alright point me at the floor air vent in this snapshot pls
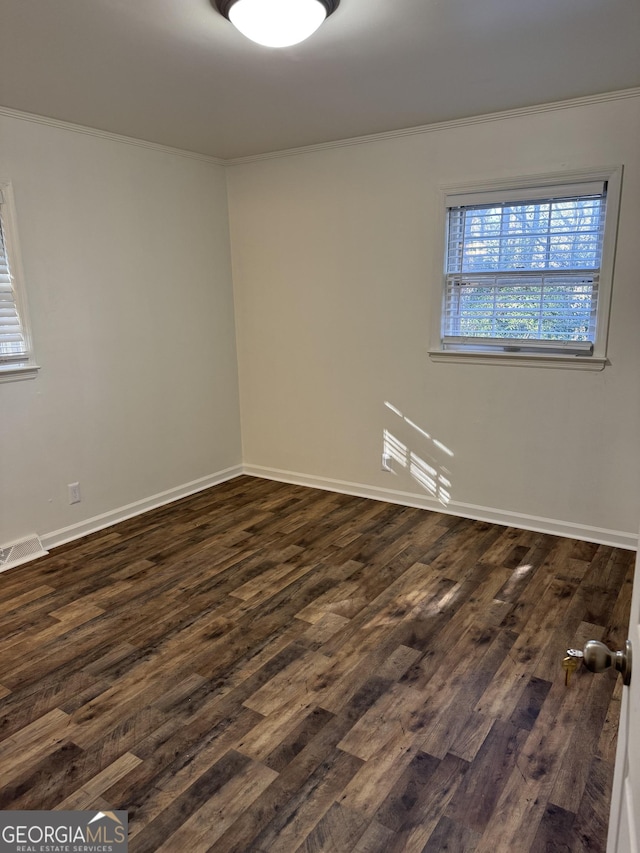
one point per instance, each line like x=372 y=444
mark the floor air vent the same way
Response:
x=20 y=552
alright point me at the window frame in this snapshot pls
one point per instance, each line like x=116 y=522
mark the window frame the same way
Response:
x=25 y=368
x=536 y=183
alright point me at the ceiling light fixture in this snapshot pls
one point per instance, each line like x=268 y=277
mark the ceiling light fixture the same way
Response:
x=276 y=23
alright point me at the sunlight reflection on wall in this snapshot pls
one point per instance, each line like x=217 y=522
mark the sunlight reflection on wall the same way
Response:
x=425 y=468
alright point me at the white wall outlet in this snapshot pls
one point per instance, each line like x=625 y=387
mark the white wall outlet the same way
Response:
x=386 y=463
x=74 y=493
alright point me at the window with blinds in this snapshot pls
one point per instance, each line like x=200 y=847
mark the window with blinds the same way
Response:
x=523 y=269
x=16 y=358
x=13 y=346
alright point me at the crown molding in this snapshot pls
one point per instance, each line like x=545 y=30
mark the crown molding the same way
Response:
x=112 y=137
x=554 y=106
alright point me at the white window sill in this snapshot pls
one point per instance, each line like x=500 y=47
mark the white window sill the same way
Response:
x=16 y=372
x=570 y=362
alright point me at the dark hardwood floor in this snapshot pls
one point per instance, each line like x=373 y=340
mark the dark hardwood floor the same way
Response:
x=267 y=668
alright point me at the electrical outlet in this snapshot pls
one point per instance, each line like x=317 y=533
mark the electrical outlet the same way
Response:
x=74 y=493
x=386 y=463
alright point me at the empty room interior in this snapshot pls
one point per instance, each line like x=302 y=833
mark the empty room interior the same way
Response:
x=320 y=418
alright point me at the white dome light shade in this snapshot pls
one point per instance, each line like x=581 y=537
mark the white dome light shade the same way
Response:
x=278 y=23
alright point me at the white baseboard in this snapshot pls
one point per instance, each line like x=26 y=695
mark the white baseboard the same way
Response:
x=571 y=530
x=616 y=538
x=99 y=522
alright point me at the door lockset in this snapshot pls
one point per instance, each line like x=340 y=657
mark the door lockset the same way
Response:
x=598 y=657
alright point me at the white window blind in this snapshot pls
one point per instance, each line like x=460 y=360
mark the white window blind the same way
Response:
x=13 y=340
x=522 y=269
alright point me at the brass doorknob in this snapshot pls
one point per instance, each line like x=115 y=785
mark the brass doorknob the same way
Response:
x=598 y=657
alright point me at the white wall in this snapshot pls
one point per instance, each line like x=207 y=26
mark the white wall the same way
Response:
x=126 y=260
x=336 y=253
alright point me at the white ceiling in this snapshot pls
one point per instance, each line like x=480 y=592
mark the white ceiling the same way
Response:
x=177 y=73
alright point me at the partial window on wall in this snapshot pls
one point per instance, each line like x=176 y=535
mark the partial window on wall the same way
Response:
x=528 y=270
x=16 y=351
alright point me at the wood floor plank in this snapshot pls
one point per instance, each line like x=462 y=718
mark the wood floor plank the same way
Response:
x=375 y=839
x=339 y=829
x=307 y=762
x=607 y=741
x=95 y=787
x=174 y=761
x=555 y=831
x=476 y=797
x=266 y=735
x=449 y=835
x=293 y=743
x=17 y=601
x=521 y=805
x=296 y=679
x=470 y=740
x=268 y=668
x=424 y=815
x=375 y=779
x=347 y=676
x=590 y=826
x=308 y=806
x=467 y=680
x=48 y=778
x=506 y=688
x=31 y=743
x=201 y=831
x=390 y=717
x=574 y=770
x=150 y=835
